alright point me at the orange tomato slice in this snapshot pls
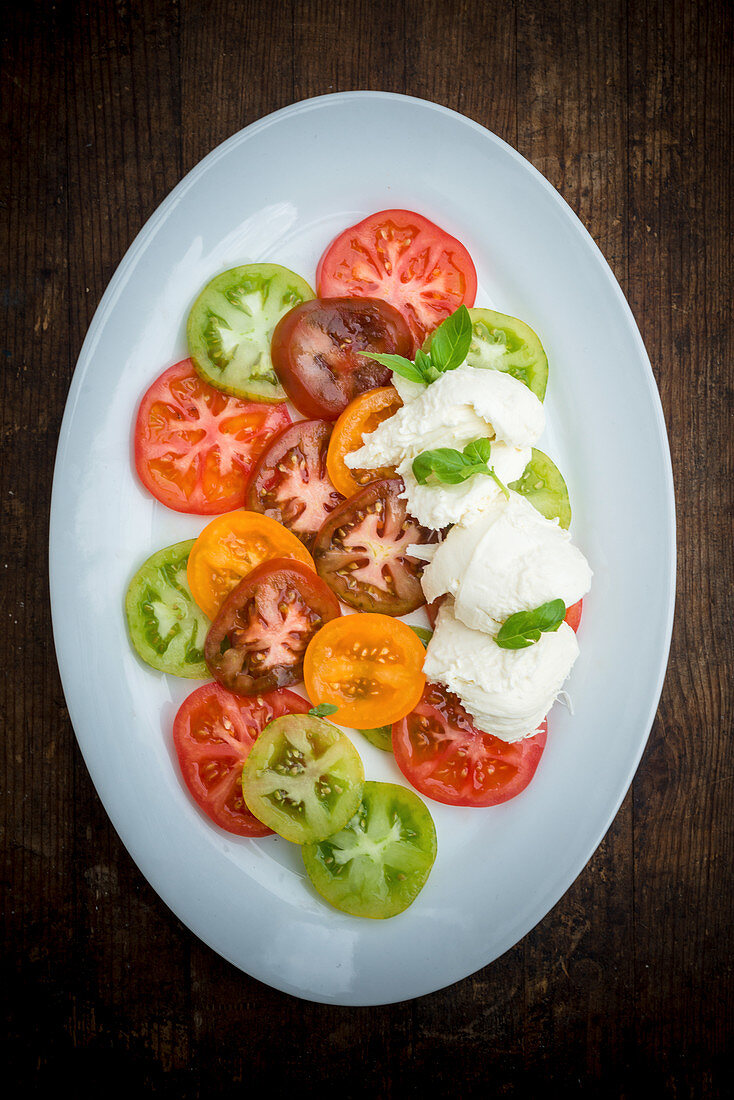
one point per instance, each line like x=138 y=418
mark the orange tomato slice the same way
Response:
x=360 y=417
x=370 y=667
x=229 y=548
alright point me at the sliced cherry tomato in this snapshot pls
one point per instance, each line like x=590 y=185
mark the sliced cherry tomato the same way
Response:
x=260 y=635
x=231 y=325
x=166 y=627
x=304 y=778
x=289 y=482
x=213 y=733
x=194 y=446
x=402 y=257
x=359 y=418
x=369 y=666
x=361 y=551
x=542 y=483
x=378 y=863
x=321 y=351
x=446 y=758
x=573 y=615
x=229 y=548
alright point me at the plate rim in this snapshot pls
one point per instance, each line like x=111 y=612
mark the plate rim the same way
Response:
x=141 y=241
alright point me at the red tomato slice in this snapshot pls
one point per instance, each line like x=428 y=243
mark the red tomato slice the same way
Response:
x=320 y=350
x=289 y=482
x=213 y=733
x=573 y=615
x=446 y=758
x=400 y=256
x=194 y=445
x=259 y=638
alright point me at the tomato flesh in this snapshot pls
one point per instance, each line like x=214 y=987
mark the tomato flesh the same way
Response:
x=258 y=639
x=213 y=734
x=321 y=351
x=369 y=666
x=360 y=418
x=290 y=483
x=573 y=615
x=166 y=627
x=378 y=863
x=542 y=483
x=231 y=324
x=362 y=551
x=406 y=259
x=195 y=446
x=446 y=758
x=303 y=778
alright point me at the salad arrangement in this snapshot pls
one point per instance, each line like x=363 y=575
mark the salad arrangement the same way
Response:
x=410 y=478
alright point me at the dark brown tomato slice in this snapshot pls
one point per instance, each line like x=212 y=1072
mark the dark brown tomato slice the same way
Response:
x=321 y=349
x=444 y=756
x=362 y=551
x=258 y=639
x=290 y=483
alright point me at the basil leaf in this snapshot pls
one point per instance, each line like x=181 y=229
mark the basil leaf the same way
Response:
x=525 y=627
x=478 y=450
x=323 y=710
x=426 y=367
x=448 y=466
x=450 y=342
x=400 y=365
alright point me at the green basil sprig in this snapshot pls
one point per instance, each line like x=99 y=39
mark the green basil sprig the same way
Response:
x=449 y=346
x=525 y=627
x=323 y=710
x=452 y=467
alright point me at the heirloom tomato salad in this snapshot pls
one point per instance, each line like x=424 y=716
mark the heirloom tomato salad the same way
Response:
x=358 y=449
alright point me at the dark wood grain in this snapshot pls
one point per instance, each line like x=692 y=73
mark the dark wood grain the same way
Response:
x=625 y=988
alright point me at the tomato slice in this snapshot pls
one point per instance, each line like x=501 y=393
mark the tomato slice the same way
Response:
x=290 y=483
x=258 y=639
x=369 y=666
x=508 y=344
x=321 y=351
x=303 y=778
x=404 y=258
x=231 y=324
x=359 y=418
x=213 y=733
x=362 y=551
x=444 y=756
x=229 y=548
x=194 y=446
x=166 y=627
x=573 y=615
x=378 y=863
x=542 y=483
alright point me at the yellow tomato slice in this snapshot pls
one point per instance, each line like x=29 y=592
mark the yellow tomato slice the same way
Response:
x=360 y=417
x=370 y=667
x=229 y=548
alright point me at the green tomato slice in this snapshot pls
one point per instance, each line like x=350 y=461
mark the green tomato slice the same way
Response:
x=542 y=483
x=166 y=627
x=381 y=737
x=231 y=324
x=379 y=862
x=505 y=343
x=303 y=778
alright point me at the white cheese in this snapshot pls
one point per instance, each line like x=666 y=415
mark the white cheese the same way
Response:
x=510 y=558
x=437 y=505
x=462 y=405
x=507 y=692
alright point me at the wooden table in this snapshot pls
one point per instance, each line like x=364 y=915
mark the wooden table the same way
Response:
x=625 y=988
